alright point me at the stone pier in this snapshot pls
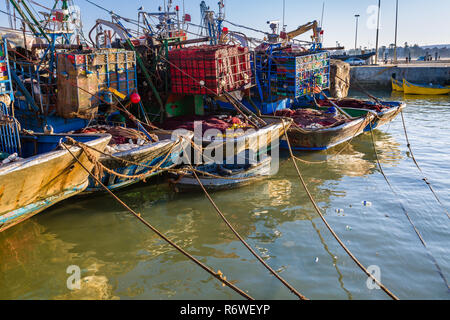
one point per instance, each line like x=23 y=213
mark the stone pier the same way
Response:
x=436 y=72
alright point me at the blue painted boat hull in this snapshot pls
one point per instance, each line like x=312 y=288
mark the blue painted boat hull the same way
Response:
x=164 y=154
x=36 y=122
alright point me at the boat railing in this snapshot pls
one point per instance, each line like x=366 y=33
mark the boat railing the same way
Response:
x=40 y=85
x=9 y=132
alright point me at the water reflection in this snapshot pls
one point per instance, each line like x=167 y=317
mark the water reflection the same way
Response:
x=34 y=263
x=119 y=257
x=358 y=157
x=334 y=259
x=420 y=98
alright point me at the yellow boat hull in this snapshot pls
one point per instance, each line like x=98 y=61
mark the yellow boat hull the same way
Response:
x=410 y=88
x=397 y=85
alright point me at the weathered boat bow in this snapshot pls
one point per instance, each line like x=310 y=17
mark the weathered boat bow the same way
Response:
x=44 y=178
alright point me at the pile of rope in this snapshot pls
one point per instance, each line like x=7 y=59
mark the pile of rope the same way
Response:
x=97 y=170
x=121 y=134
x=6 y=99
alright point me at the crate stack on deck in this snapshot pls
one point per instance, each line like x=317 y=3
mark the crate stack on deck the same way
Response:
x=300 y=75
x=84 y=79
x=284 y=74
x=209 y=70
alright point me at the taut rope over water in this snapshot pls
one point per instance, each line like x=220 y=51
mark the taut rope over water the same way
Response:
x=316 y=207
x=408 y=144
x=290 y=287
x=218 y=276
x=439 y=270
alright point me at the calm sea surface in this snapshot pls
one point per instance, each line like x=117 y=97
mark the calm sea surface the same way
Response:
x=121 y=259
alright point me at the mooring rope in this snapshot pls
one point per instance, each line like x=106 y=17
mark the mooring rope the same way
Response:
x=333 y=257
x=439 y=270
x=90 y=158
x=120 y=175
x=171 y=170
x=408 y=144
x=319 y=212
x=218 y=275
x=284 y=282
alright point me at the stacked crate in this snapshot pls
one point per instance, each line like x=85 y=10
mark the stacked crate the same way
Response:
x=300 y=75
x=209 y=70
x=84 y=76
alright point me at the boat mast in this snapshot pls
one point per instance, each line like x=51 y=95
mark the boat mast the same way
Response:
x=27 y=20
x=8 y=9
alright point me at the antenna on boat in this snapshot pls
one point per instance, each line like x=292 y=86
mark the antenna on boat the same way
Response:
x=284 y=11
x=321 y=19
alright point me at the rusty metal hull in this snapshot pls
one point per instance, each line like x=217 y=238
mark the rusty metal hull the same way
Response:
x=323 y=139
x=31 y=185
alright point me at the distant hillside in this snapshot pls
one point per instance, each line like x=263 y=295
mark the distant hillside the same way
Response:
x=440 y=46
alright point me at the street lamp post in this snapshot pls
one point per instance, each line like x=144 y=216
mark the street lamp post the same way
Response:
x=356 y=34
x=396 y=23
x=378 y=31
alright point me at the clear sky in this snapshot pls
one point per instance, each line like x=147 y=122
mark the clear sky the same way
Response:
x=424 y=22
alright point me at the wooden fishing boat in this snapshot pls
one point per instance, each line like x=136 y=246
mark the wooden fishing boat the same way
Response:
x=411 y=88
x=255 y=140
x=164 y=153
x=316 y=138
x=223 y=176
x=215 y=144
x=46 y=175
x=384 y=111
x=397 y=85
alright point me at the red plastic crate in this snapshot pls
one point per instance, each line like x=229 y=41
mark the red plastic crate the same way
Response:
x=221 y=68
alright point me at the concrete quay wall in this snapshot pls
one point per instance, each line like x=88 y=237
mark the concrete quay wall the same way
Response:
x=380 y=76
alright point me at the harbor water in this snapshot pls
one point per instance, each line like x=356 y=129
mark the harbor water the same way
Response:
x=121 y=259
